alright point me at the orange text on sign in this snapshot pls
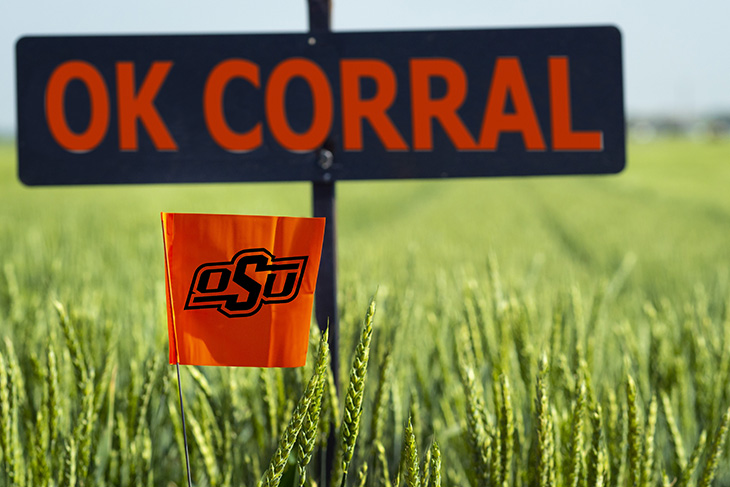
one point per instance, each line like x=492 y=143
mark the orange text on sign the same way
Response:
x=136 y=109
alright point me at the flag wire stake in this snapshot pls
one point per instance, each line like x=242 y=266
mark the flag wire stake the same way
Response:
x=182 y=415
x=168 y=281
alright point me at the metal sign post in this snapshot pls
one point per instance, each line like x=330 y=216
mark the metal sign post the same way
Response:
x=323 y=205
x=325 y=299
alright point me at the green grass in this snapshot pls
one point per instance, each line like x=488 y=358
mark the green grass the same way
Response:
x=608 y=277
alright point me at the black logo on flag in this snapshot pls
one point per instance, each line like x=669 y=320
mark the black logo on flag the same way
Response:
x=253 y=277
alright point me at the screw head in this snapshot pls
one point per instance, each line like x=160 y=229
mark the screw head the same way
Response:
x=325 y=159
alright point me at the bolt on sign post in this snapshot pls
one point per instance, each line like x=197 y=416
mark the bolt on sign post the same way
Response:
x=320 y=107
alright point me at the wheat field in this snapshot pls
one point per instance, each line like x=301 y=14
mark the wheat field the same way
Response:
x=567 y=332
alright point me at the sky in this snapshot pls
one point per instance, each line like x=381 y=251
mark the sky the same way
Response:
x=676 y=53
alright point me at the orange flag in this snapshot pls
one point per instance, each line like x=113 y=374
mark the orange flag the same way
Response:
x=240 y=288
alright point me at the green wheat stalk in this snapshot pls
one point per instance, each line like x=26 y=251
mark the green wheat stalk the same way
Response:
x=616 y=438
x=523 y=346
x=601 y=470
x=308 y=433
x=675 y=437
x=354 y=397
x=495 y=459
x=410 y=453
x=554 y=465
x=205 y=445
x=476 y=429
x=273 y=473
x=175 y=420
x=330 y=406
x=124 y=449
x=575 y=459
x=147 y=471
x=6 y=421
x=377 y=420
x=426 y=468
x=69 y=472
x=84 y=427
x=39 y=462
x=106 y=443
x=434 y=466
x=414 y=413
x=381 y=462
x=694 y=460
x=269 y=398
x=634 y=434
x=19 y=471
x=595 y=454
x=72 y=343
x=202 y=383
x=666 y=482
x=646 y=477
x=105 y=383
x=544 y=435
x=507 y=428
x=362 y=475
x=53 y=402
x=713 y=458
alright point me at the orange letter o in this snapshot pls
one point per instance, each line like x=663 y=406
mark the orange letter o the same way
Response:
x=321 y=124
x=56 y=109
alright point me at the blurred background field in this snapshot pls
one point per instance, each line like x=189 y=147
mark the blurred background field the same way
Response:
x=638 y=264
x=665 y=219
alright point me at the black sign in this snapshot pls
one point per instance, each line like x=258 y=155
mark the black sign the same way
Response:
x=214 y=108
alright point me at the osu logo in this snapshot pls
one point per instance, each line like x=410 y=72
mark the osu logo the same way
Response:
x=253 y=277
